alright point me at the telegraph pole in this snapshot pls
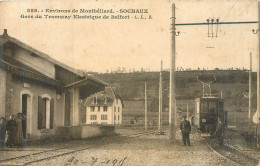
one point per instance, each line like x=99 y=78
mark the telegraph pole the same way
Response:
x=187 y=110
x=172 y=83
x=160 y=101
x=175 y=113
x=250 y=90
x=258 y=79
x=145 y=107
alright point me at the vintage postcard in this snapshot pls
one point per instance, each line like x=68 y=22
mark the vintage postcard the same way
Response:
x=129 y=82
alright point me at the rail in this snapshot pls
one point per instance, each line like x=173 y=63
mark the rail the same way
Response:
x=54 y=153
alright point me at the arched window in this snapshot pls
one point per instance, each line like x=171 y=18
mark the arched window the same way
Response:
x=45 y=112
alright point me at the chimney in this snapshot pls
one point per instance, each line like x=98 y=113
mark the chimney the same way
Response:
x=5 y=32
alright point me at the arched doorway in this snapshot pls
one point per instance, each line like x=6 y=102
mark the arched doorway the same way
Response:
x=26 y=110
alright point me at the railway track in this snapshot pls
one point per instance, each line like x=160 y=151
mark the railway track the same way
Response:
x=138 y=134
x=230 y=153
x=234 y=155
x=54 y=153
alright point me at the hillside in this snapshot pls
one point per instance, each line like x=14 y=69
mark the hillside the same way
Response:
x=233 y=83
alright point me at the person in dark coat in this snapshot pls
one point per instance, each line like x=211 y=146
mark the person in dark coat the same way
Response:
x=185 y=129
x=220 y=132
x=11 y=130
x=212 y=124
x=2 y=131
x=19 y=129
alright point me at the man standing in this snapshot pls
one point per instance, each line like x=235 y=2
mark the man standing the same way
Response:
x=2 y=131
x=185 y=129
x=220 y=132
x=11 y=129
x=19 y=129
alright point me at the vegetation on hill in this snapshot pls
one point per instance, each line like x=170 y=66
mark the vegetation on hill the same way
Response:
x=233 y=84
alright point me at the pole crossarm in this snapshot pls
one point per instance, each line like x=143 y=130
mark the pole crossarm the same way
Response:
x=242 y=22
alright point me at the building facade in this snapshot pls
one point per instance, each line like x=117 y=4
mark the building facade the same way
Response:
x=44 y=90
x=104 y=107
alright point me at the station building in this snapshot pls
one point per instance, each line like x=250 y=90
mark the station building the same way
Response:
x=43 y=89
x=104 y=107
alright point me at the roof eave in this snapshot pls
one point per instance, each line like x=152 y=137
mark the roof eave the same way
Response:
x=39 y=53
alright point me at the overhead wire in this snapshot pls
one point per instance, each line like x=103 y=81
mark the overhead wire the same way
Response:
x=230 y=10
x=187 y=13
x=247 y=7
x=228 y=13
x=218 y=22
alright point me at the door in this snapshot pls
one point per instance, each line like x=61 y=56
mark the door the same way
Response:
x=67 y=110
x=24 y=112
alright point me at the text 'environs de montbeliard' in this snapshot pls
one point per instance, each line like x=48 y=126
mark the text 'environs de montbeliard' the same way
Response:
x=98 y=10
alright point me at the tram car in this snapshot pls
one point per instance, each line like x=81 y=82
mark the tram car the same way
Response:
x=208 y=111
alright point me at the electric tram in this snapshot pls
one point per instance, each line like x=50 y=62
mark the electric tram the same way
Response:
x=209 y=109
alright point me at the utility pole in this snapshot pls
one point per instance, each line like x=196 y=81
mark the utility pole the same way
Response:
x=203 y=90
x=145 y=107
x=258 y=79
x=172 y=83
x=175 y=112
x=160 y=101
x=187 y=110
x=250 y=90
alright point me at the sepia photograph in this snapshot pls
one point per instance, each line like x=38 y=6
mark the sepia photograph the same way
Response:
x=130 y=83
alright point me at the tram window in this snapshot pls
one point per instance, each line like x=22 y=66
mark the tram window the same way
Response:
x=212 y=107
x=204 y=107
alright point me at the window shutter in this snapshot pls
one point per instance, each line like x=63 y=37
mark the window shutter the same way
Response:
x=40 y=111
x=44 y=114
x=51 y=113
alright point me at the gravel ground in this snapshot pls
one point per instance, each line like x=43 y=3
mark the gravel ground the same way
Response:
x=250 y=151
x=6 y=153
x=144 y=150
x=240 y=144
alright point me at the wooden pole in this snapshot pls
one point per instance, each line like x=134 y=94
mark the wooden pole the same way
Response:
x=145 y=107
x=187 y=110
x=175 y=113
x=172 y=83
x=250 y=89
x=203 y=89
x=160 y=101
x=258 y=77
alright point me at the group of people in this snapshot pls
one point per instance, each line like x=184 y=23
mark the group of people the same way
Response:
x=11 y=131
x=216 y=131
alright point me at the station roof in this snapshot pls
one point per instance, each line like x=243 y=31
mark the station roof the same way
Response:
x=5 y=38
x=27 y=73
x=30 y=73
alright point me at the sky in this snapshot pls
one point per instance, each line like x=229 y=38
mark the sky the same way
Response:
x=101 y=45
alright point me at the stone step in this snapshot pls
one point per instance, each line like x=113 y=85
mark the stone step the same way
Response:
x=62 y=133
x=62 y=130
